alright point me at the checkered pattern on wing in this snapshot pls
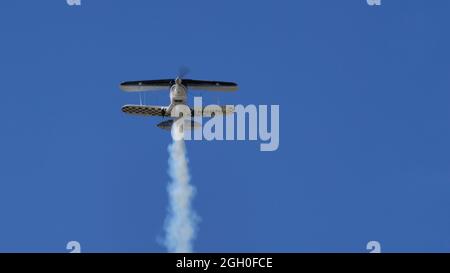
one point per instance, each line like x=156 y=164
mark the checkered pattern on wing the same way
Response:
x=142 y=110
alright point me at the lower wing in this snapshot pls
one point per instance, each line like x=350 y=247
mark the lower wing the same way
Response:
x=144 y=110
x=213 y=110
x=162 y=111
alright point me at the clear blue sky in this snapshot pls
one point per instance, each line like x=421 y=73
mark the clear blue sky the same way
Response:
x=364 y=124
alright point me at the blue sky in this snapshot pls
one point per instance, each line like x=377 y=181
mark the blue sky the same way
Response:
x=364 y=124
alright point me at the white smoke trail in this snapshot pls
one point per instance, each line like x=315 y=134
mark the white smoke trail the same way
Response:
x=181 y=221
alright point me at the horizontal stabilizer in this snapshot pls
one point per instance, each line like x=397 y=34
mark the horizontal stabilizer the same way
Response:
x=187 y=125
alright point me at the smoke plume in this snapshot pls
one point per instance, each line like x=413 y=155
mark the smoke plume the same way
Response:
x=181 y=221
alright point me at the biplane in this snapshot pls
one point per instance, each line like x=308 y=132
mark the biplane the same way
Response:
x=178 y=92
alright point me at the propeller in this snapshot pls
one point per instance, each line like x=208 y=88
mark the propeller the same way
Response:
x=182 y=72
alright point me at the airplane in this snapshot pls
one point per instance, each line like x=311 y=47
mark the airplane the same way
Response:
x=178 y=89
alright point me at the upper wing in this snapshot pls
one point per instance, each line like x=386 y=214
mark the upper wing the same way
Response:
x=149 y=85
x=144 y=110
x=152 y=85
x=210 y=85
